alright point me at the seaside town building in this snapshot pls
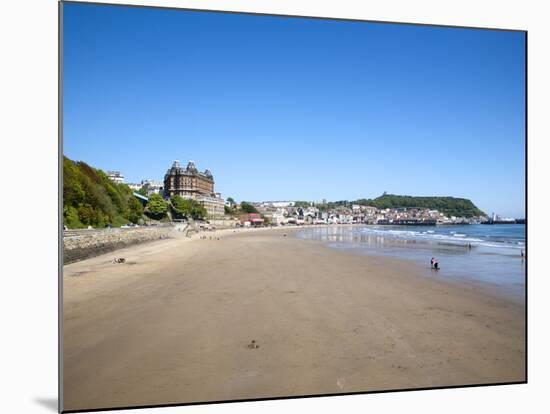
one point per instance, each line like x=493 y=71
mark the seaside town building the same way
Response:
x=251 y=220
x=152 y=187
x=189 y=182
x=133 y=186
x=213 y=204
x=352 y=213
x=115 y=176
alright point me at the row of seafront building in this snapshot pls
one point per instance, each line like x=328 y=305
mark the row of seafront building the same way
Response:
x=186 y=182
x=281 y=213
x=191 y=183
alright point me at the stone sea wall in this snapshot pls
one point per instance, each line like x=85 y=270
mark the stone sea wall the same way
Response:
x=83 y=244
x=222 y=223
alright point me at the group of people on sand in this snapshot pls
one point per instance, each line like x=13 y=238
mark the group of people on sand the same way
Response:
x=204 y=237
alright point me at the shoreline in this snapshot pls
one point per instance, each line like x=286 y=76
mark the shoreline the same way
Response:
x=461 y=265
x=289 y=228
x=173 y=323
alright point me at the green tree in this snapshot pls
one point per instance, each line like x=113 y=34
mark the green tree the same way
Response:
x=248 y=208
x=91 y=198
x=86 y=214
x=156 y=207
x=70 y=217
x=187 y=208
x=199 y=211
x=100 y=219
x=73 y=193
x=450 y=206
x=181 y=207
x=135 y=210
x=142 y=191
x=231 y=209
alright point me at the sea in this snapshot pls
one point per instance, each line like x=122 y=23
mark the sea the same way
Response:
x=488 y=254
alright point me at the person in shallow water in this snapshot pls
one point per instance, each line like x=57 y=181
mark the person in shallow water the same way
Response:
x=434 y=263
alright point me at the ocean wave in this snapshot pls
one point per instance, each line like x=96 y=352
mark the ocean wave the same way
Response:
x=501 y=245
x=441 y=236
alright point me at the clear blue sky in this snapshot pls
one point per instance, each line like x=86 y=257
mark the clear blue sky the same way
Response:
x=288 y=108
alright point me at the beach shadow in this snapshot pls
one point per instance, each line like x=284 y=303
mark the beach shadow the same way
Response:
x=49 y=403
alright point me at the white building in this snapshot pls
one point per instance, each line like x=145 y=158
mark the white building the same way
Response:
x=279 y=204
x=134 y=187
x=214 y=205
x=278 y=217
x=152 y=187
x=115 y=176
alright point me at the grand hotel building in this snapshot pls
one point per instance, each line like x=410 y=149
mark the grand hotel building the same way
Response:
x=191 y=183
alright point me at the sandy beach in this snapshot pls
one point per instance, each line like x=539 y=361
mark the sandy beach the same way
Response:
x=256 y=314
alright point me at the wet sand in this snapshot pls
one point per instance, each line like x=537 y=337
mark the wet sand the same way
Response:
x=175 y=324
